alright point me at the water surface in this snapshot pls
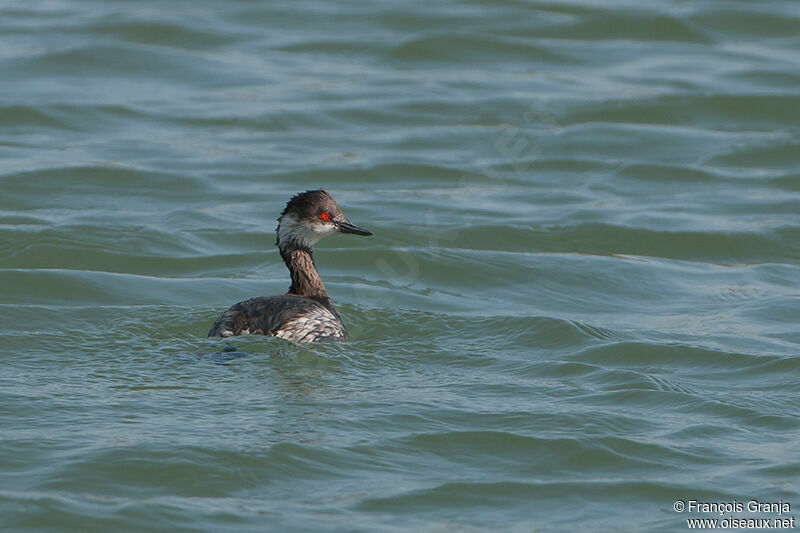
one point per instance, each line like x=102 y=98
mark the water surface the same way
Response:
x=579 y=306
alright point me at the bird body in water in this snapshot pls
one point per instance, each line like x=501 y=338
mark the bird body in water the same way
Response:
x=305 y=313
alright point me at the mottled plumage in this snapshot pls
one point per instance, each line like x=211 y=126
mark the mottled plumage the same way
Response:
x=288 y=316
x=305 y=313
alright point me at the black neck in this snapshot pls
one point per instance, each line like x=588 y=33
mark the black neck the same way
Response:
x=305 y=278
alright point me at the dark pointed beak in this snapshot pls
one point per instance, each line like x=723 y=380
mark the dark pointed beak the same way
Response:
x=347 y=227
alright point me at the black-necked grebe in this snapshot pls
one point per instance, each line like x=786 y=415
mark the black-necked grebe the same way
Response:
x=305 y=313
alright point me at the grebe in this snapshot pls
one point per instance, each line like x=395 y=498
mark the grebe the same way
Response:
x=305 y=313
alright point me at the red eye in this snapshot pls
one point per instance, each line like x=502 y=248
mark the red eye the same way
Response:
x=325 y=216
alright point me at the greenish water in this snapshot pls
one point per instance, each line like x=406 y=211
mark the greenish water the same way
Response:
x=580 y=304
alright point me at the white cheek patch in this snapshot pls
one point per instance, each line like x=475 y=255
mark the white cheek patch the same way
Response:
x=307 y=235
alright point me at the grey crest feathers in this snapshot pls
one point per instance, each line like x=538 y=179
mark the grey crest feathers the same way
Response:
x=311 y=204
